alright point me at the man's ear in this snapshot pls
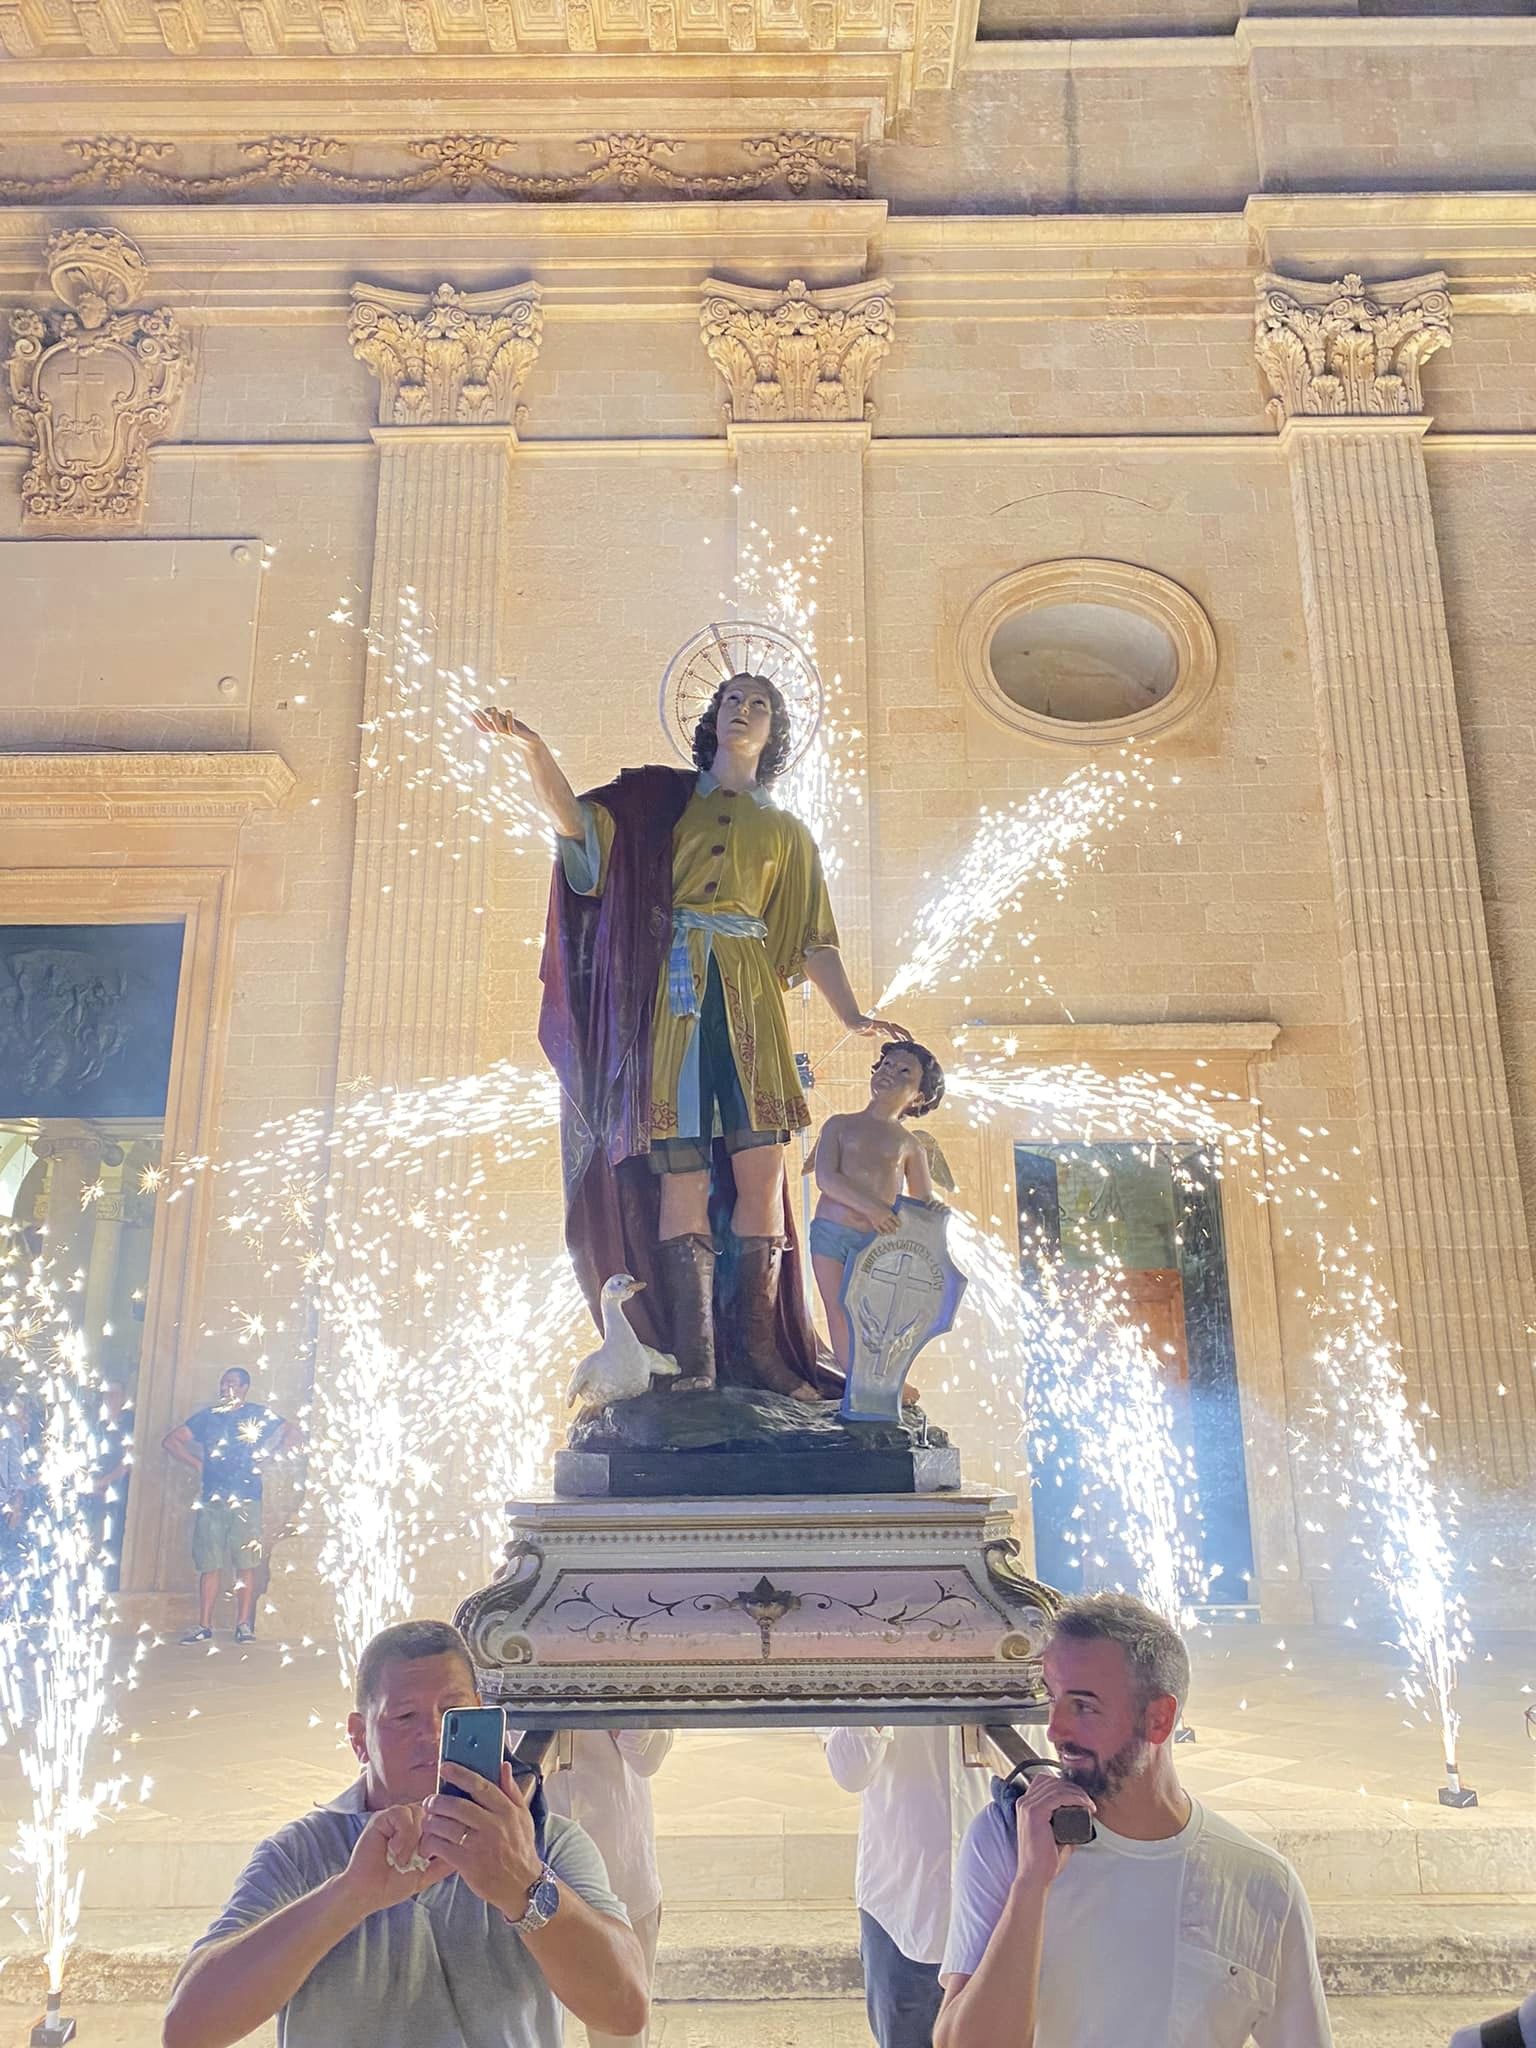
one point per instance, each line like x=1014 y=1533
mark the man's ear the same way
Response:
x=1162 y=1717
x=357 y=1735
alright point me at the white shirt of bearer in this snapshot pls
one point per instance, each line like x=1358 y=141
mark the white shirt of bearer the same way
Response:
x=604 y=1789
x=1200 y=1941
x=919 y=1796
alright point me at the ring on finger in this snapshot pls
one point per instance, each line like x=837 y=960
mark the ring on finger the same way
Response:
x=464 y=1838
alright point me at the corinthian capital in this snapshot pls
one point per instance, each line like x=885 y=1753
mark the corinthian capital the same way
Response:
x=796 y=354
x=1346 y=349
x=456 y=358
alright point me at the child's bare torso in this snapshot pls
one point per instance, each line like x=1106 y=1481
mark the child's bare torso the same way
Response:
x=872 y=1153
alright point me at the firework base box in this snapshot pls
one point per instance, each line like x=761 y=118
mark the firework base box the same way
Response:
x=768 y=1611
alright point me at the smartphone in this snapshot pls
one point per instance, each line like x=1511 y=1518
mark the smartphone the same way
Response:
x=474 y=1738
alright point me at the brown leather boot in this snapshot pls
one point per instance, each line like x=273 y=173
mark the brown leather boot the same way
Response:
x=758 y=1260
x=687 y=1266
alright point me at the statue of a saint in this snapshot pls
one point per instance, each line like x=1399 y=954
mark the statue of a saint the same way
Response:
x=684 y=903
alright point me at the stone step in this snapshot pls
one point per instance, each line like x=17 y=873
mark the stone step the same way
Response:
x=1368 y=1948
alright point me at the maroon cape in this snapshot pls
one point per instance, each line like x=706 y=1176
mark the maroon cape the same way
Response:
x=602 y=961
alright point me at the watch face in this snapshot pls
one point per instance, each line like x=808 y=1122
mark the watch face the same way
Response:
x=544 y=1897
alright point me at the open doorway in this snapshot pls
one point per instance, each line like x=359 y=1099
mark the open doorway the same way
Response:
x=1152 y=1213
x=87 y=1024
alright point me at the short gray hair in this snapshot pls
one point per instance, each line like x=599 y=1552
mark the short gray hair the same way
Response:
x=1153 y=1647
x=404 y=1642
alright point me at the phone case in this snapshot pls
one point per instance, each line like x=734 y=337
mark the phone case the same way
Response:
x=474 y=1737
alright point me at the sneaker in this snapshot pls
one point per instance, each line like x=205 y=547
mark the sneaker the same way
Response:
x=197 y=1635
x=244 y=1633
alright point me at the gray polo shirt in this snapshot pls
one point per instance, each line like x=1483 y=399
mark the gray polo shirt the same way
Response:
x=444 y=1970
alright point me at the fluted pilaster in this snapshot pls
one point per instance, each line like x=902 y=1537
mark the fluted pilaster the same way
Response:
x=798 y=364
x=449 y=367
x=1418 y=976
x=812 y=478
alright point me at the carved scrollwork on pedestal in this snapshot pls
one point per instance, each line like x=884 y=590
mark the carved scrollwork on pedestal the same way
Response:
x=1032 y=1606
x=94 y=386
x=490 y=1620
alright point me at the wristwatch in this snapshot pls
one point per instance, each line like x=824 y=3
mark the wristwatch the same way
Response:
x=543 y=1903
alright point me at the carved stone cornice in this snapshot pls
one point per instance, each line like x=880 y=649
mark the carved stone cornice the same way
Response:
x=454 y=358
x=49 y=788
x=796 y=355
x=627 y=163
x=94 y=386
x=925 y=37
x=1348 y=350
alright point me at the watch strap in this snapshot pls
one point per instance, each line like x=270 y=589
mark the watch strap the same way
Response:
x=536 y=1916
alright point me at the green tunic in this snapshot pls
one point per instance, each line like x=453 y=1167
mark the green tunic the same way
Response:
x=738 y=856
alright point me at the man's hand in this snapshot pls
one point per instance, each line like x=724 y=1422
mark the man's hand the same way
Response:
x=500 y=723
x=886 y=1222
x=487 y=1838
x=1042 y=1858
x=871 y=1027
x=389 y=1863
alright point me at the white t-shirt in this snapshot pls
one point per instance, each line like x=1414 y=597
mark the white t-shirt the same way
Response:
x=1200 y=1941
x=604 y=1790
x=919 y=1796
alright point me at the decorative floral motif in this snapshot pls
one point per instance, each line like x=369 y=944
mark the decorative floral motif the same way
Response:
x=630 y=162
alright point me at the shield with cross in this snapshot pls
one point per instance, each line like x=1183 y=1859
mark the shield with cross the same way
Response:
x=899 y=1291
x=86 y=383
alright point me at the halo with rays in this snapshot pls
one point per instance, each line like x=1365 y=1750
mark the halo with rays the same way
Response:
x=736 y=647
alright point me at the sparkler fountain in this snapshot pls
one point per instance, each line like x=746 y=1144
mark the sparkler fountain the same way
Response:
x=58 y=1670
x=1076 y=1361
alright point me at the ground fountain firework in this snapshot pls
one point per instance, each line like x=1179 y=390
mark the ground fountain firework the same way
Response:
x=60 y=1665
x=1379 y=1471
x=1079 y=1364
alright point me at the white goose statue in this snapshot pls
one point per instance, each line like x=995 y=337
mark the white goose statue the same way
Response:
x=621 y=1366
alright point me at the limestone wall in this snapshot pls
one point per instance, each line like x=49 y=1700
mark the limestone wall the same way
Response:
x=1071 y=231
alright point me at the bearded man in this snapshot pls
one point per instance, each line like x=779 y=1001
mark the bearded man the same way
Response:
x=1171 y=1928
x=683 y=906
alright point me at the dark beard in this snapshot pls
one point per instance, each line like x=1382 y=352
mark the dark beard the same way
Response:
x=1102 y=1781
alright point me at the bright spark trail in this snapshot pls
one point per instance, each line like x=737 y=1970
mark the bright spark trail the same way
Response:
x=58 y=1669
x=1081 y=1370
x=1081 y=1365
x=1380 y=1466
x=1020 y=849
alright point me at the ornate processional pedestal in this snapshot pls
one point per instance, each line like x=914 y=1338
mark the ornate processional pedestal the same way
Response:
x=761 y=1612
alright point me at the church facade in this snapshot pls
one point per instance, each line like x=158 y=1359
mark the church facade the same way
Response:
x=1139 y=376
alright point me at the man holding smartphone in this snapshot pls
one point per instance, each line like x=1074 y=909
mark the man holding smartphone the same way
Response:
x=405 y=1916
x=1172 y=1927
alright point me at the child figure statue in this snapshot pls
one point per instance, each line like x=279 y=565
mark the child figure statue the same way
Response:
x=863 y=1163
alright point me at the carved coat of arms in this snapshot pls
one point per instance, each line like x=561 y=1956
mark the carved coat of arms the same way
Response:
x=93 y=386
x=899 y=1292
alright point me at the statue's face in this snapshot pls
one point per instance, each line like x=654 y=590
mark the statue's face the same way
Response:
x=745 y=718
x=899 y=1073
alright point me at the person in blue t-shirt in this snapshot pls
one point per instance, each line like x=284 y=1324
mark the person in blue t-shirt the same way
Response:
x=226 y=1444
